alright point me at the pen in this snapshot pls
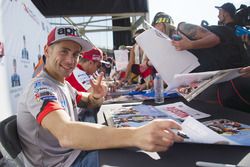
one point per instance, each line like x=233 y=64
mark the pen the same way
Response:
x=212 y=164
x=129 y=105
x=180 y=133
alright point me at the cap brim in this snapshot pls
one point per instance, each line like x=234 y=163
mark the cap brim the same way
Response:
x=86 y=45
x=105 y=62
x=218 y=7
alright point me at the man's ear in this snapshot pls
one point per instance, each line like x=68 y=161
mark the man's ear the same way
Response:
x=46 y=50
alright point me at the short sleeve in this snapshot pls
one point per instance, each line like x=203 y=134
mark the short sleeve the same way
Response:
x=42 y=99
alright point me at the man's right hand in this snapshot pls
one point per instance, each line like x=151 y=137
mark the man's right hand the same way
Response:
x=157 y=135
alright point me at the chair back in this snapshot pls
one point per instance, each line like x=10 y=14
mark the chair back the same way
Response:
x=10 y=140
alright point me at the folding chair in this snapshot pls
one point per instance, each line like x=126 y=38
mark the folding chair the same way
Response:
x=10 y=141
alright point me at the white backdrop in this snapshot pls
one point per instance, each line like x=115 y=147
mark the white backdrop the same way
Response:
x=23 y=32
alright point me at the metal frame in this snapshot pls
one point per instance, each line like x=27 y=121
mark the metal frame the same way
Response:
x=100 y=25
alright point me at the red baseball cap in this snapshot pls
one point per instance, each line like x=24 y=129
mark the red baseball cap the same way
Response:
x=94 y=54
x=62 y=33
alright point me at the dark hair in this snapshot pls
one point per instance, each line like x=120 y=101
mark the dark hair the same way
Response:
x=135 y=69
x=139 y=31
x=242 y=16
x=228 y=7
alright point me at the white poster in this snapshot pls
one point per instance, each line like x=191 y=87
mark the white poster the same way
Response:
x=24 y=33
x=166 y=60
x=4 y=95
x=121 y=59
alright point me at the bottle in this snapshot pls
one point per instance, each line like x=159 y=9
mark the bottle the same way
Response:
x=158 y=89
x=239 y=31
x=176 y=37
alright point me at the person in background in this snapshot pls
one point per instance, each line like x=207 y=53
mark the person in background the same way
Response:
x=39 y=66
x=227 y=18
x=89 y=62
x=164 y=23
x=226 y=14
x=218 y=48
x=107 y=65
x=136 y=56
x=47 y=125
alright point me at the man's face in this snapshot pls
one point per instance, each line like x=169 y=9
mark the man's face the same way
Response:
x=104 y=56
x=221 y=16
x=93 y=67
x=160 y=27
x=61 y=59
x=164 y=27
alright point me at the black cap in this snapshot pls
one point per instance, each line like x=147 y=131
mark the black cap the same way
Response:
x=228 y=7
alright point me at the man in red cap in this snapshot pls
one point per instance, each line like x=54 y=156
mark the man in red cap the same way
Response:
x=89 y=63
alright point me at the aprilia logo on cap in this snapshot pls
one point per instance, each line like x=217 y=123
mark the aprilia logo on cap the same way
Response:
x=67 y=31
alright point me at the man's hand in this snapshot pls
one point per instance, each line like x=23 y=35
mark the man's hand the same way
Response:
x=182 y=44
x=99 y=89
x=157 y=135
x=141 y=87
x=246 y=71
x=245 y=39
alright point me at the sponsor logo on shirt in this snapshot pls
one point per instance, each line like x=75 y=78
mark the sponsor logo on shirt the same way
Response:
x=43 y=92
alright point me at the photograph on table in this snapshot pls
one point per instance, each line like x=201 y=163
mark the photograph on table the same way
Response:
x=235 y=131
x=133 y=115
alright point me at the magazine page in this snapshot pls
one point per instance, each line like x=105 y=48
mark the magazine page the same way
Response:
x=120 y=99
x=192 y=84
x=231 y=74
x=232 y=130
x=181 y=111
x=109 y=110
x=196 y=132
x=164 y=57
x=132 y=115
x=123 y=90
x=187 y=79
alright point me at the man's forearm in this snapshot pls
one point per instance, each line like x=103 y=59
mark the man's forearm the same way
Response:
x=206 y=42
x=87 y=136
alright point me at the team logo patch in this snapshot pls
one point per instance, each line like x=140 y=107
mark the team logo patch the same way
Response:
x=43 y=91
